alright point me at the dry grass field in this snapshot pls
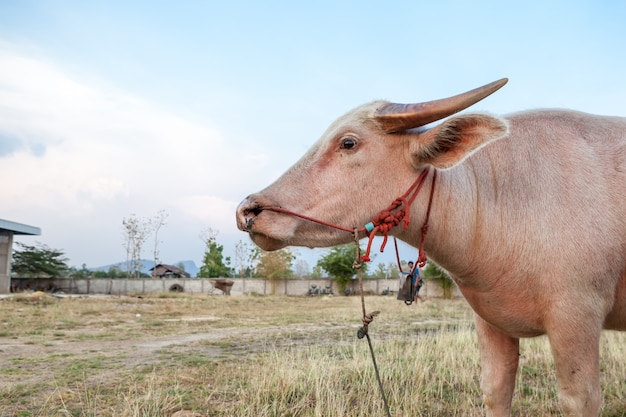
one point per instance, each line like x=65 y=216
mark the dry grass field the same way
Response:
x=197 y=355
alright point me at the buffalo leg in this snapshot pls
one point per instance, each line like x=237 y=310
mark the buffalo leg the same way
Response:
x=576 y=355
x=499 y=357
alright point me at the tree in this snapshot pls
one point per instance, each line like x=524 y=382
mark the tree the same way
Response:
x=214 y=264
x=245 y=257
x=302 y=268
x=83 y=272
x=338 y=263
x=318 y=272
x=434 y=272
x=276 y=264
x=39 y=261
x=113 y=272
x=135 y=233
x=392 y=270
x=156 y=223
x=380 y=271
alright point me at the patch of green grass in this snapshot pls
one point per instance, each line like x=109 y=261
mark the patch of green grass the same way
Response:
x=83 y=365
x=93 y=336
x=61 y=355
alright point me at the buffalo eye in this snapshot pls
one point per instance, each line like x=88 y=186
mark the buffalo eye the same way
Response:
x=348 y=143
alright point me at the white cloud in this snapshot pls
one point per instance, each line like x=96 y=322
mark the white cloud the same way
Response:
x=97 y=147
x=94 y=137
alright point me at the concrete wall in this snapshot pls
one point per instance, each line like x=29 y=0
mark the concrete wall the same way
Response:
x=205 y=286
x=6 y=245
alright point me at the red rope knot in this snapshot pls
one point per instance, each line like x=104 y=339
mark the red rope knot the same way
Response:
x=384 y=222
x=422 y=258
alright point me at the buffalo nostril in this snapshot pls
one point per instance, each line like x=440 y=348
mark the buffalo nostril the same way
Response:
x=250 y=217
x=247 y=212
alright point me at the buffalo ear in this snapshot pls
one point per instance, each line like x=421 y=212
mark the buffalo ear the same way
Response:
x=449 y=143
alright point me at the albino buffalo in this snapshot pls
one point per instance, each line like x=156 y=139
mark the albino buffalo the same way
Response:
x=528 y=216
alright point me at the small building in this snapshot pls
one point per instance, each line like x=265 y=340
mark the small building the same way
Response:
x=7 y=231
x=168 y=271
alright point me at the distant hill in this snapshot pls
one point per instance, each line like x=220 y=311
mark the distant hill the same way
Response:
x=189 y=266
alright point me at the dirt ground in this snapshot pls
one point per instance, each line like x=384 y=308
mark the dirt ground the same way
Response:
x=65 y=356
x=119 y=339
x=132 y=352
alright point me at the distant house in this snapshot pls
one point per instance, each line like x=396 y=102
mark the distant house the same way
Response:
x=7 y=230
x=168 y=271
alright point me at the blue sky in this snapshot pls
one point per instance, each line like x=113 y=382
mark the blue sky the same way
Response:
x=114 y=108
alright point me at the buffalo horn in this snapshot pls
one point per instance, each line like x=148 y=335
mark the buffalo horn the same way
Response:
x=395 y=117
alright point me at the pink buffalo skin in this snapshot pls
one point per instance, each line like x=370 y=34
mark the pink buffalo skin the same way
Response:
x=528 y=217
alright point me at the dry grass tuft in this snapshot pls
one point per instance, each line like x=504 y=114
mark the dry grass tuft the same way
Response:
x=37 y=297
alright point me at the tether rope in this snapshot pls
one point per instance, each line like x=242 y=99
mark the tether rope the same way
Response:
x=367 y=319
x=386 y=220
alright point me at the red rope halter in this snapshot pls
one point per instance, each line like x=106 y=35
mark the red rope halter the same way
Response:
x=387 y=219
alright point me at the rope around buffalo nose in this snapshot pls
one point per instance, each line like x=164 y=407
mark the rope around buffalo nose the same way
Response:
x=387 y=219
x=367 y=319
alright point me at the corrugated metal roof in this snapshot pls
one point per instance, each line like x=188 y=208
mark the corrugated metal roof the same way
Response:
x=19 y=228
x=164 y=269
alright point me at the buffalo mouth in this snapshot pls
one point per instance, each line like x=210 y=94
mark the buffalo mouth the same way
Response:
x=254 y=220
x=266 y=242
x=272 y=230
